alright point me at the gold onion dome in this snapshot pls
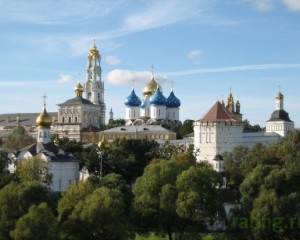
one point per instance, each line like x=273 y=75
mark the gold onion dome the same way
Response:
x=103 y=143
x=151 y=87
x=79 y=88
x=44 y=119
x=94 y=52
x=280 y=96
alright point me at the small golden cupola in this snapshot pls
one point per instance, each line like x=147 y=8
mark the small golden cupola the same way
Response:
x=94 y=52
x=44 y=120
x=151 y=87
x=103 y=143
x=279 y=96
x=79 y=89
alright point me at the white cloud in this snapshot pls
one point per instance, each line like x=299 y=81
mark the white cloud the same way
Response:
x=161 y=13
x=65 y=79
x=195 y=55
x=293 y=4
x=112 y=60
x=126 y=77
x=261 y=5
x=233 y=69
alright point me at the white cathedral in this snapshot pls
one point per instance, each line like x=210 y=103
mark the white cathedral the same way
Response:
x=153 y=107
x=221 y=129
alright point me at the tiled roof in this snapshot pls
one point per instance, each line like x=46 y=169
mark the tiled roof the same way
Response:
x=217 y=113
x=76 y=101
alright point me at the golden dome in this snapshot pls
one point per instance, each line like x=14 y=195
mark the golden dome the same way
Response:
x=79 y=88
x=150 y=87
x=44 y=119
x=94 y=52
x=103 y=143
x=279 y=96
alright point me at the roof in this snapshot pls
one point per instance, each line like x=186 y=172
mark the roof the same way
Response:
x=138 y=128
x=217 y=113
x=157 y=98
x=76 y=101
x=48 y=149
x=26 y=119
x=132 y=100
x=280 y=115
x=172 y=101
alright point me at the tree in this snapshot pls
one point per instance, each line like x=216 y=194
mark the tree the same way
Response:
x=5 y=176
x=251 y=128
x=15 y=200
x=197 y=202
x=154 y=197
x=187 y=127
x=270 y=191
x=89 y=157
x=233 y=162
x=115 y=123
x=128 y=158
x=38 y=223
x=18 y=139
x=101 y=215
x=168 y=150
x=70 y=198
x=176 y=196
x=34 y=169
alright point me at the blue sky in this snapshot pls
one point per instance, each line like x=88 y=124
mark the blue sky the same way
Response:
x=201 y=48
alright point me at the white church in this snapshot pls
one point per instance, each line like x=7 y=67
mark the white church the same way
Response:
x=64 y=168
x=221 y=129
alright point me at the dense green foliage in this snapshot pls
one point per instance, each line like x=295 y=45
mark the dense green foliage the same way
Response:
x=38 y=223
x=176 y=196
x=268 y=178
x=34 y=169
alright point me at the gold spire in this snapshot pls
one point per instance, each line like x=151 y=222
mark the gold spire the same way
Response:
x=230 y=100
x=94 y=52
x=103 y=143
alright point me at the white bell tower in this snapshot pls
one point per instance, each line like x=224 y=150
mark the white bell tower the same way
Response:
x=94 y=86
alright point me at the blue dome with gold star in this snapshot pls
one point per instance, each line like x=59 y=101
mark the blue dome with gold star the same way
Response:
x=157 y=98
x=132 y=100
x=172 y=101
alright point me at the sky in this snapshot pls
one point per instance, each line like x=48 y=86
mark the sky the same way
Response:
x=203 y=49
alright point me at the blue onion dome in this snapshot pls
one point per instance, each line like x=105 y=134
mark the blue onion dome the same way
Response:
x=157 y=98
x=172 y=101
x=132 y=100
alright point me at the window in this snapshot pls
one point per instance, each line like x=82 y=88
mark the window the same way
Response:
x=70 y=119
